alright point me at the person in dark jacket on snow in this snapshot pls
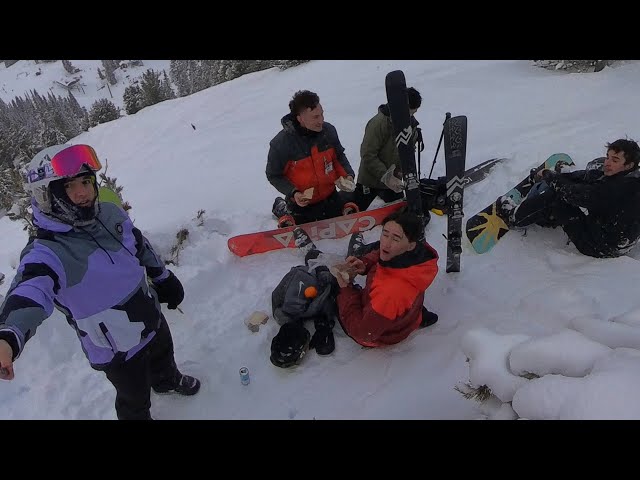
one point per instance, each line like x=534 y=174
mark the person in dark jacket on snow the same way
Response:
x=306 y=162
x=598 y=208
x=91 y=263
x=380 y=172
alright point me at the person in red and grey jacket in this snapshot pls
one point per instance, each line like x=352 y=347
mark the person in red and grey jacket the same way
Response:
x=306 y=163
x=399 y=269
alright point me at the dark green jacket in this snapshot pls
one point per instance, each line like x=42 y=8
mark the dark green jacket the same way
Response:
x=378 y=150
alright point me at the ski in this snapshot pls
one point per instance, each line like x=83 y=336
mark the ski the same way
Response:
x=405 y=136
x=455 y=152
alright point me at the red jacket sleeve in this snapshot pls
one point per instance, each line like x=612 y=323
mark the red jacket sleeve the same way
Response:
x=370 y=259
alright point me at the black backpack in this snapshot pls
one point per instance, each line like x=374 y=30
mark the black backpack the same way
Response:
x=288 y=299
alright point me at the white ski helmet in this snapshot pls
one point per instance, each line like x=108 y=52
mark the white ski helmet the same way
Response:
x=39 y=175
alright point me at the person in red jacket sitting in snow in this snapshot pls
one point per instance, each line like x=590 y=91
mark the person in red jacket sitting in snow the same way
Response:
x=399 y=268
x=306 y=162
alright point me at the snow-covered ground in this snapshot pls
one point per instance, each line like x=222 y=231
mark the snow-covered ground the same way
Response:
x=532 y=307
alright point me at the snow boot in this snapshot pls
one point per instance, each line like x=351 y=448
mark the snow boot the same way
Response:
x=280 y=207
x=303 y=241
x=183 y=385
x=357 y=247
x=428 y=318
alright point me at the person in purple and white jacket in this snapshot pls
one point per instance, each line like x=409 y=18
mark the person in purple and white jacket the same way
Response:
x=90 y=262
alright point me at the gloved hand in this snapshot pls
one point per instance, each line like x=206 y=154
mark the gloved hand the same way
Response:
x=390 y=180
x=326 y=278
x=170 y=291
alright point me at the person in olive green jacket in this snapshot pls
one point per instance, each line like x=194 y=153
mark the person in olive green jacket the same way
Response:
x=380 y=172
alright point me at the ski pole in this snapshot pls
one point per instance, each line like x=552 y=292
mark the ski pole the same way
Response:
x=420 y=145
x=446 y=118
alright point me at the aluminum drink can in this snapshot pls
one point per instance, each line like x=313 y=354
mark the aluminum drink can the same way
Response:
x=244 y=376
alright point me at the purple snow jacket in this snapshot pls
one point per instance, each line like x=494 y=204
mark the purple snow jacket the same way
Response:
x=96 y=276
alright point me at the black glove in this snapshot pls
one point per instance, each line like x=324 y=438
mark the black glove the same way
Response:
x=326 y=278
x=323 y=340
x=170 y=291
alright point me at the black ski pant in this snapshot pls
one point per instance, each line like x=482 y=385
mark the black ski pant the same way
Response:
x=543 y=207
x=363 y=195
x=328 y=208
x=153 y=366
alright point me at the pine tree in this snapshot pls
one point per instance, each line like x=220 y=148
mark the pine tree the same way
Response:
x=150 y=85
x=197 y=81
x=25 y=143
x=70 y=118
x=49 y=134
x=284 y=64
x=133 y=99
x=165 y=87
x=202 y=75
x=103 y=110
x=109 y=69
x=11 y=187
x=69 y=67
x=85 y=122
x=48 y=131
x=217 y=71
x=581 y=66
x=238 y=68
x=61 y=116
x=77 y=110
x=187 y=70
x=5 y=146
x=178 y=74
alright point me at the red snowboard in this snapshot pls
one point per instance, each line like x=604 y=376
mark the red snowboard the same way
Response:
x=337 y=227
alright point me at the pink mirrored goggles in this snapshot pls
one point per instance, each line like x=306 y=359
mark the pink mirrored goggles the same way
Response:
x=70 y=161
x=67 y=163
